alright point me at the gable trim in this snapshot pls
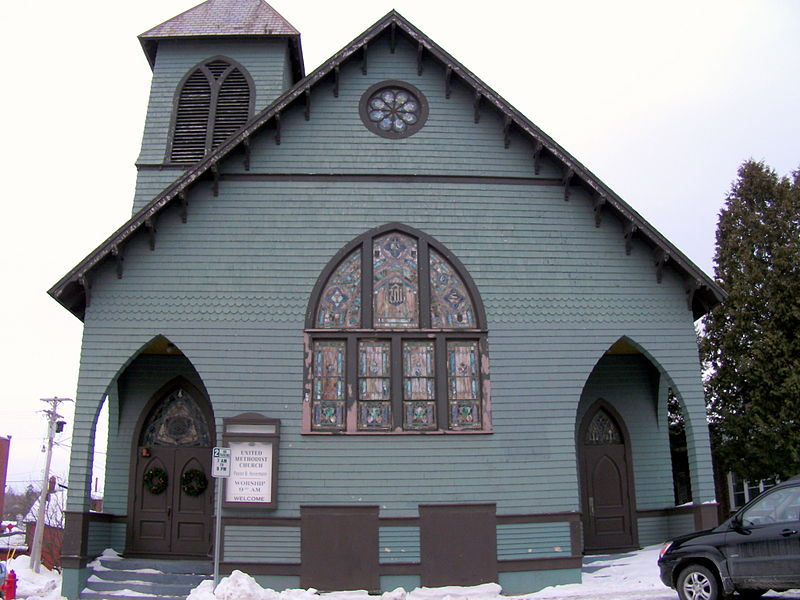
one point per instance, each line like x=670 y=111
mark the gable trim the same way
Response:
x=702 y=292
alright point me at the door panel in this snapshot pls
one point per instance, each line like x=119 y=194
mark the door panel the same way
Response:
x=151 y=523
x=191 y=523
x=605 y=484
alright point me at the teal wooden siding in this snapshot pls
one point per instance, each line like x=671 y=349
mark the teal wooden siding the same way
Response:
x=99 y=537
x=230 y=289
x=399 y=544
x=258 y=544
x=533 y=540
x=655 y=530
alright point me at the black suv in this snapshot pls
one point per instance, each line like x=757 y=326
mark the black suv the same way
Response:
x=756 y=550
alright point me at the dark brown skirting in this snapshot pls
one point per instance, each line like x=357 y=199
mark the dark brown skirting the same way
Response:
x=77 y=523
x=261 y=568
x=263 y=521
x=665 y=512
x=705 y=515
x=545 y=563
x=568 y=516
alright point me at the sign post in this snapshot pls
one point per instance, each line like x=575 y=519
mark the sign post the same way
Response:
x=220 y=469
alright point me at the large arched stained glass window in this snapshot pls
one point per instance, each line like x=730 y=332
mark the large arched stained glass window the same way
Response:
x=396 y=340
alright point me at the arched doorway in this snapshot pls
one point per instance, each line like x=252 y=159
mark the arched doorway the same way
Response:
x=606 y=477
x=170 y=506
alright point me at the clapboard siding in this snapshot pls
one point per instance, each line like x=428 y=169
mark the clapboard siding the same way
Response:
x=257 y=544
x=399 y=544
x=533 y=540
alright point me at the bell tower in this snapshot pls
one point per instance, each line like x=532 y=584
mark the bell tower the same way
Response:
x=214 y=66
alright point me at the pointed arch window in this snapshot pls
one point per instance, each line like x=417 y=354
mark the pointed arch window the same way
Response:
x=212 y=102
x=396 y=340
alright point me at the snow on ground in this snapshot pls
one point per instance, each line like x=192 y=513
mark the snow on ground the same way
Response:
x=632 y=576
x=44 y=585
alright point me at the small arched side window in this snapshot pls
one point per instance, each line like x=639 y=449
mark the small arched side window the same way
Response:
x=395 y=340
x=212 y=102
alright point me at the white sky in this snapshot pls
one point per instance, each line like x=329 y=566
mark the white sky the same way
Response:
x=662 y=100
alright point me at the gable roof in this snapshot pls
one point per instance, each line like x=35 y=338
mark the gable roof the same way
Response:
x=215 y=18
x=702 y=293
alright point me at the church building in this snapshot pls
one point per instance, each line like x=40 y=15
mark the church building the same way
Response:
x=429 y=346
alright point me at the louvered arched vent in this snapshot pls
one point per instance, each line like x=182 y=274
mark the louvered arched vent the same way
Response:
x=213 y=102
x=233 y=106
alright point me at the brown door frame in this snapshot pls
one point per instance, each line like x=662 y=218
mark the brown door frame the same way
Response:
x=594 y=408
x=205 y=407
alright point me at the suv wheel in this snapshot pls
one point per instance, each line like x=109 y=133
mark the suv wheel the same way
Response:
x=697 y=582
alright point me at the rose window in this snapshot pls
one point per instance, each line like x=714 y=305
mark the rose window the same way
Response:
x=394 y=110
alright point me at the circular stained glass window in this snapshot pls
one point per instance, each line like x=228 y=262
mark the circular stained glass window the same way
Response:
x=393 y=109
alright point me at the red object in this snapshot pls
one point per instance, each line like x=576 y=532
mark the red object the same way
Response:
x=10 y=586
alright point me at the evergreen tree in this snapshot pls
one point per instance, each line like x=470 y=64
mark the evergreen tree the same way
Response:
x=751 y=341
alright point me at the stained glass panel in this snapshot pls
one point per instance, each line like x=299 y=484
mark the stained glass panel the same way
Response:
x=329 y=397
x=418 y=386
x=462 y=384
x=374 y=385
x=465 y=414
x=340 y=302
x=395 y=281
x=602 y=430
x=374 y=415
x=450 y=302
x=420 y=415
x=177 y=421
x=418 y=372
x=328 y=415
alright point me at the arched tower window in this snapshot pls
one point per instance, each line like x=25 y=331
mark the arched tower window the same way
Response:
x=396 y=340
x=213 y=101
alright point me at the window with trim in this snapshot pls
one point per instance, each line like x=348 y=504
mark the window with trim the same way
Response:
x=395 y=340
x=213 y=101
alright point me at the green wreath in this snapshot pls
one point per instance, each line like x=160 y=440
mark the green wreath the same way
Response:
x=155 y=480
x=193 y=482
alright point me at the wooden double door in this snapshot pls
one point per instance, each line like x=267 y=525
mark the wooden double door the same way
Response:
x=171 y=490
x=172 y=521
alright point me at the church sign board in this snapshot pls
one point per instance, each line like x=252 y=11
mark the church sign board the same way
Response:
x=253 y=442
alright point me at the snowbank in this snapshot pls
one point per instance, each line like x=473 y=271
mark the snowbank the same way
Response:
x=44 y=585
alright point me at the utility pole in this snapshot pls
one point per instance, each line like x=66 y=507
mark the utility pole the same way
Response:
x=52 y=423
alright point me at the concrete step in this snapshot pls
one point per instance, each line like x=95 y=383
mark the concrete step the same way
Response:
x=145 y=579
x=201 y=567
